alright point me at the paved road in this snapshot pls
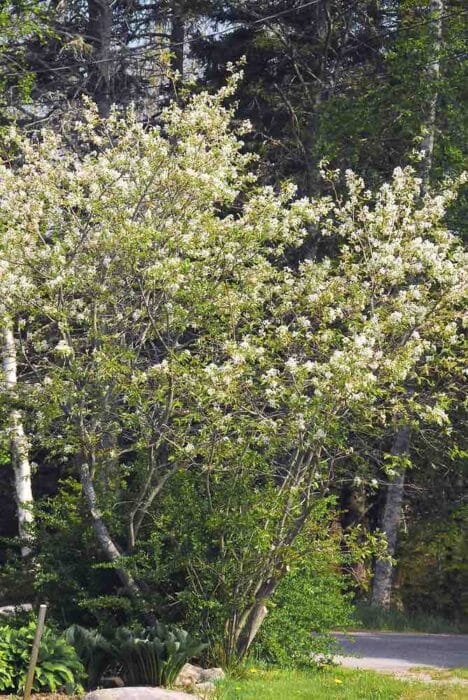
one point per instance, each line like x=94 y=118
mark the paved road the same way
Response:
x=391 y=650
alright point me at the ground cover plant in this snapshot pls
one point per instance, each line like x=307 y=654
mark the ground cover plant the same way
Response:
x=58 y=666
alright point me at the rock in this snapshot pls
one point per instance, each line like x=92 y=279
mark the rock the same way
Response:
x=143 y=693
x=209 y=675
x=189 y=676
x=13 y=609
x=205 y=689
x=112 y=682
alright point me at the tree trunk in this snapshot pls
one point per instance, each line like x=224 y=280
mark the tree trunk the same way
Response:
x=436 y=10
x=382 y=585
x=106 y=543
x=19 y=446
x=100 y=65
x=383 y=574
x=177 y=39
x=252 y=625
x=356 y=514
x=252 y=618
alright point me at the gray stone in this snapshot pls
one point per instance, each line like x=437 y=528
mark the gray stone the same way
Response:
x=209 y=675
x=13 y=609
x=189 y=676
x=143 y=693
x=112 y=682
x=205 y=689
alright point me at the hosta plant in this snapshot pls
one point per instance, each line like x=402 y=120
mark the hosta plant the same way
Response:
x=94 y=650
x=58 y=666
x=154 y=656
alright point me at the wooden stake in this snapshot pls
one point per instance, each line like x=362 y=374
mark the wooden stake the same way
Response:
x=35 y=652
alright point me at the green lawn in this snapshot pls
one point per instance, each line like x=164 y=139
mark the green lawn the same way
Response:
x=331 y=684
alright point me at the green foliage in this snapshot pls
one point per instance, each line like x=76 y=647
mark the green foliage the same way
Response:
x=378 y=120
x=393 y=620
x=20 y=21
x=221 y=549
x=94 y=650
x=432 y=570
x=69 y=572
x=209 y=396
x=58 y=666
x=154 y=656
x=310 y=601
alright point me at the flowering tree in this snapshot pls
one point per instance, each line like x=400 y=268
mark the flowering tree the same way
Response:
x=161 y=332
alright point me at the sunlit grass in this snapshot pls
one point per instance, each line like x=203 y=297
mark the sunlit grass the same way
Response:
x=331 y=684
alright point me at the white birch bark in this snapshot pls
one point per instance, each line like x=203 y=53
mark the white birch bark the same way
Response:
x=108 y=546
x=19 y=445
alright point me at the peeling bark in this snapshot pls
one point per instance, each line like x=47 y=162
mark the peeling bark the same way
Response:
x=19 y=446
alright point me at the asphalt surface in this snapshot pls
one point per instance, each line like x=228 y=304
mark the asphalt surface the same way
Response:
x=399 y=651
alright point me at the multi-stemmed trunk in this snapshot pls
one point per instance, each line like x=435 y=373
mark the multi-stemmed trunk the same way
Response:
x=242 y=629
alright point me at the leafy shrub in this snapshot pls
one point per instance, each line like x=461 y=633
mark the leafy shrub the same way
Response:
x=58 y=665
x=309 y=603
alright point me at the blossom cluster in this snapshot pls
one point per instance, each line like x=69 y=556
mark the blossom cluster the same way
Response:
x=145 y=276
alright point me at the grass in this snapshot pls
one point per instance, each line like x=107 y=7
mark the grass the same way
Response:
x=373 y=618
x=332 y=684
x=442 y=674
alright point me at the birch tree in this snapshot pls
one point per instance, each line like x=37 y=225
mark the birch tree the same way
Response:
x=18 y=441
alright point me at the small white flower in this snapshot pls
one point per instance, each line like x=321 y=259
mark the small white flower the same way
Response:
x=62 y=348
